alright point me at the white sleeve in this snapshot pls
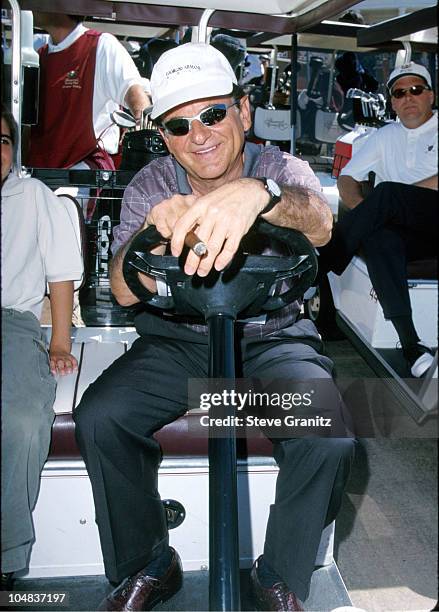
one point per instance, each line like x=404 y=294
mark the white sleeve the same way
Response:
x=57 y=238
x=366 y=159
x=115 y=70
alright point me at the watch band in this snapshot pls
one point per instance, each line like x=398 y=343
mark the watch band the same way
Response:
x=275 y=198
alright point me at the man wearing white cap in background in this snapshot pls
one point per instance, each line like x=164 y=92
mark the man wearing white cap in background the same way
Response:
x=397 y=222
x=85 y=75
x=215 y=183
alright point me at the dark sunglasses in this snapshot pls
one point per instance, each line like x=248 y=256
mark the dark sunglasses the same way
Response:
x=180 y=126
x=414 y=90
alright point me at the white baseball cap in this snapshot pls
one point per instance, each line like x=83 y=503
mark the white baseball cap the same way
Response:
x=189 y=72
x=410 y=69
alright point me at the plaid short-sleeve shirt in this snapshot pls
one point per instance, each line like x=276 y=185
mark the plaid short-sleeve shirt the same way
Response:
x=164 y=177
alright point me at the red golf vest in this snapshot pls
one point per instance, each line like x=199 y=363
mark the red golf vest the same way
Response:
x=64 y=135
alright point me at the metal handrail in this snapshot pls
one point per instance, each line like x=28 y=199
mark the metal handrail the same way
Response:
x=16 y=80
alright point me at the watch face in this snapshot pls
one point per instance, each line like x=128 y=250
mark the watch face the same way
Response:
x=273 y=187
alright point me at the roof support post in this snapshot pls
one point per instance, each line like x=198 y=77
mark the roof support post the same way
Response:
x=201 y=33
x=293 y=93
x=16 y=79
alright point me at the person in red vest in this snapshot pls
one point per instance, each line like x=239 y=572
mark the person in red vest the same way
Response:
x=84 y=76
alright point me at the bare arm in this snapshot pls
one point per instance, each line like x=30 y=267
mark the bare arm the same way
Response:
x=223 y=216
x=350 y=191
x=305 y=210
x=119 y=288
x=61 y=306
x=164 y=217
x=429 y=183
x=137 y=99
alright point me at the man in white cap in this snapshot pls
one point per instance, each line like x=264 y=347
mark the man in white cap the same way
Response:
x=396 y=222
x=215 y=183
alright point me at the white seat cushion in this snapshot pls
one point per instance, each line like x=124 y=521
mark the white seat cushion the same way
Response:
x=93 y=358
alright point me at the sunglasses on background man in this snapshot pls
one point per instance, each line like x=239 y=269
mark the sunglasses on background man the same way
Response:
x=414 y=90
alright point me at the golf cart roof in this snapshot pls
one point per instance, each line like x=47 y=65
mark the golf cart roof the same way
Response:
x=419 y=28
x=276 y=16
x=262 y=23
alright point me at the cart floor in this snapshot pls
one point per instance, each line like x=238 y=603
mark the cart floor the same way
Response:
x=84 y=593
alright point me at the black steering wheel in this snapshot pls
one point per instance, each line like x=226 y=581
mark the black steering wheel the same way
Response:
x=245 y=287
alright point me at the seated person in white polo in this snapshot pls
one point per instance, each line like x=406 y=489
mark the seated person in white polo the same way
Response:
x=39 y=247
x=397 y=222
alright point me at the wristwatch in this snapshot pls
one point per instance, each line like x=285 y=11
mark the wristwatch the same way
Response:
x=274 y=191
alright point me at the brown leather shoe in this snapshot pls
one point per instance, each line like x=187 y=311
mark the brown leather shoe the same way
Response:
x=143 y=592
x=7 y=581
x=278 y=597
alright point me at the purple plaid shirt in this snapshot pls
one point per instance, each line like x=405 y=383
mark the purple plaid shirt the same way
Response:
x=164 y=177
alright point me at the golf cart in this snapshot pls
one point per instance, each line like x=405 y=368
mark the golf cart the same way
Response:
x=66 y=541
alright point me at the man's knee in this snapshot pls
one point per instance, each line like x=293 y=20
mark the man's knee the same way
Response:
x=90 y=414
x=338 y=449
x=106 y=414
x=333 y=450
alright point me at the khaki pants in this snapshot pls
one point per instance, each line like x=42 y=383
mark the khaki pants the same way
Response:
x=28 y=394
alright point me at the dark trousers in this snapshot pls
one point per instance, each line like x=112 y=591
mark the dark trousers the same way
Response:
x=393 y=225
x=147 y=388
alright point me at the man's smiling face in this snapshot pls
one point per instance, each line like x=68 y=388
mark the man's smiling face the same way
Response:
x=210 y=154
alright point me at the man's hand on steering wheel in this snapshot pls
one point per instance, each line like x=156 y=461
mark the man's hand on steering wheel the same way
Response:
x=166 y=214
x=220 y=219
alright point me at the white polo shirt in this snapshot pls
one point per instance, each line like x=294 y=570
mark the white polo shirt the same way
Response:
x=396 y=153
x=115 y=72
x=38 y=244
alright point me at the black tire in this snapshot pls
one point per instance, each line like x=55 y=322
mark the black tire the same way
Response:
x=320 y=310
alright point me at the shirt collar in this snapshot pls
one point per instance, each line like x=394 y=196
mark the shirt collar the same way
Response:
x=68 y=40
x=182 y=183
